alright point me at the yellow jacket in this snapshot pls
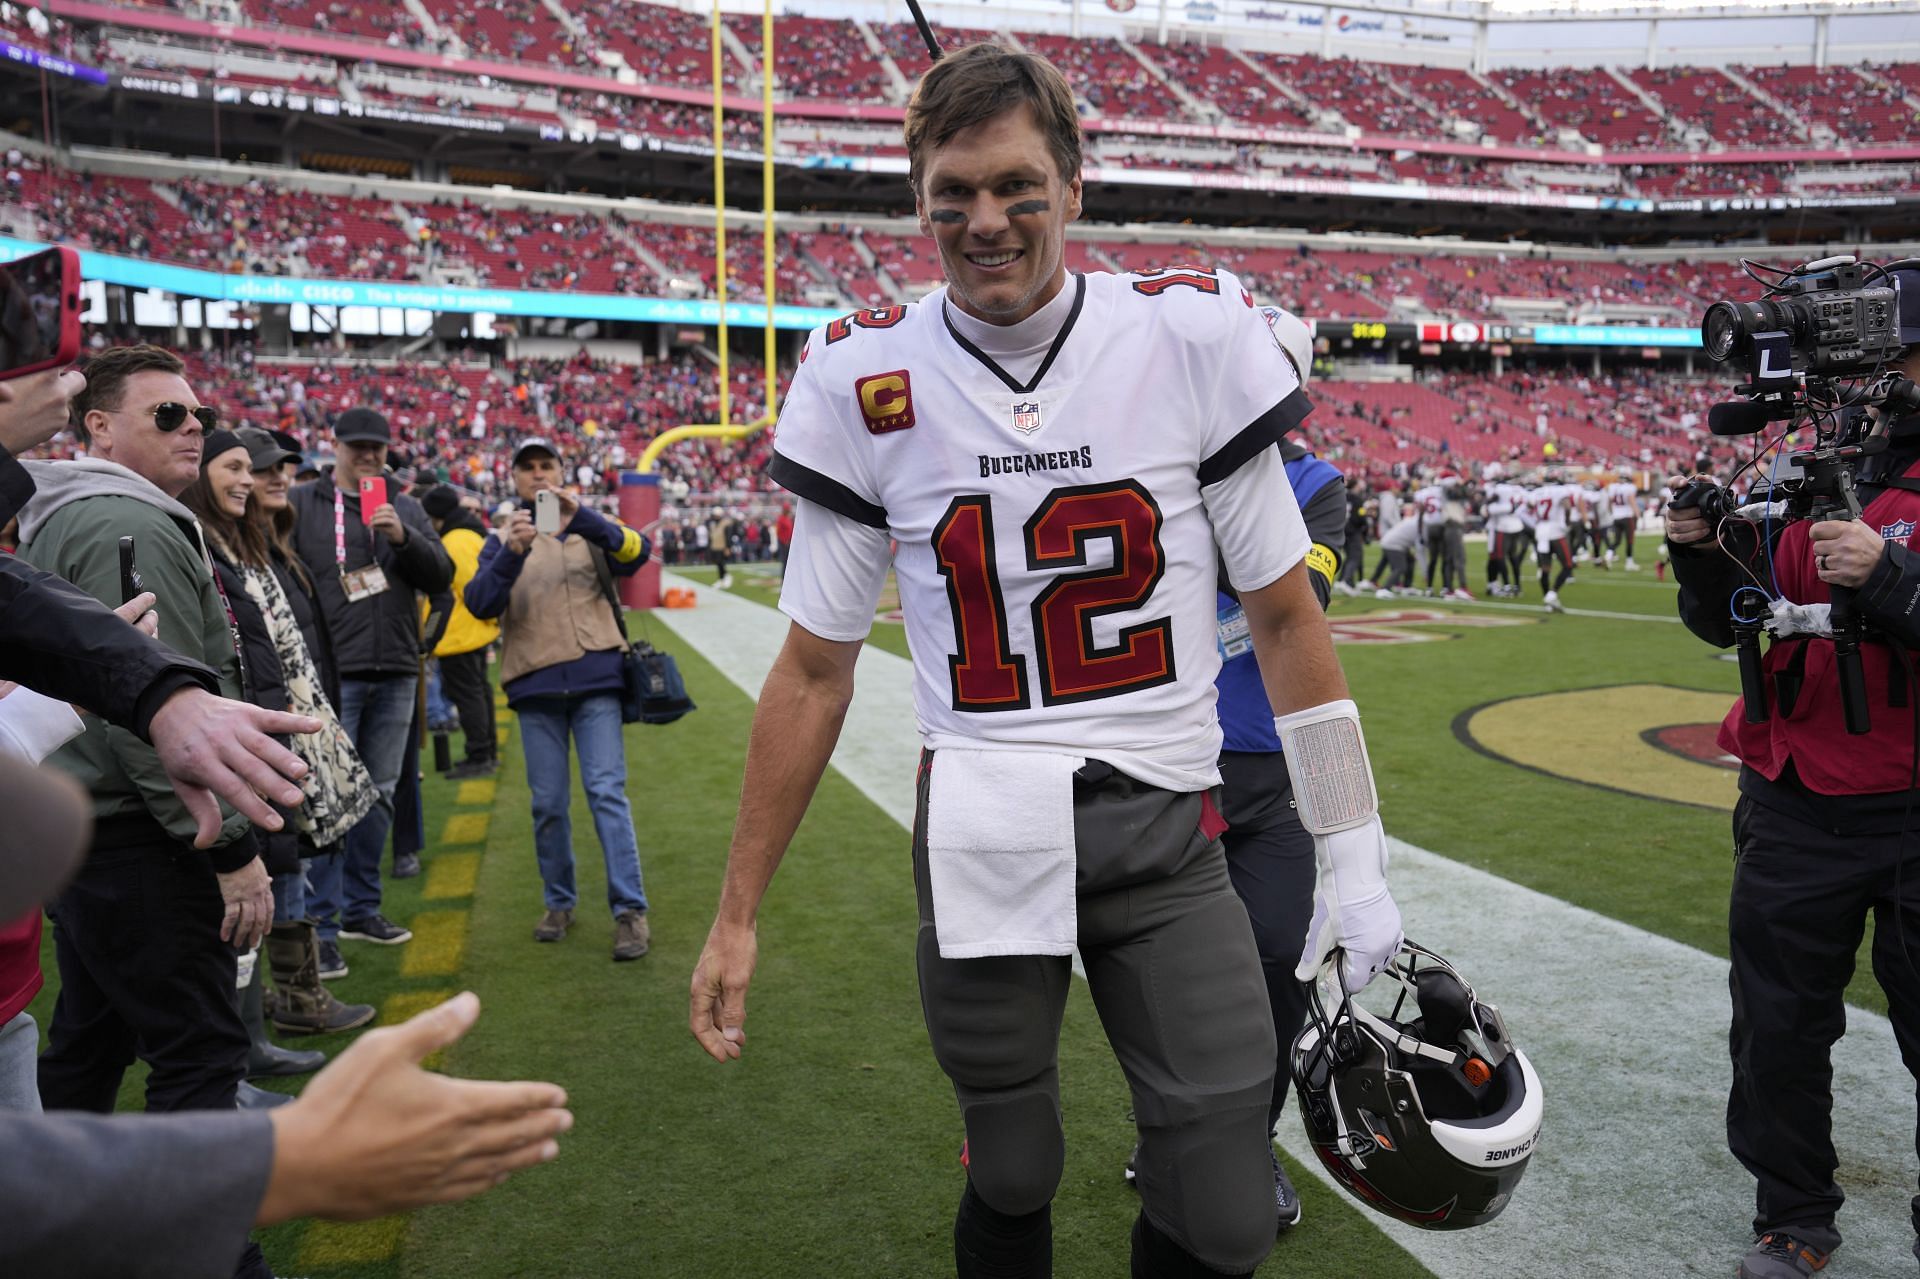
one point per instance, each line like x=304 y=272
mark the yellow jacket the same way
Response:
x=465 y=632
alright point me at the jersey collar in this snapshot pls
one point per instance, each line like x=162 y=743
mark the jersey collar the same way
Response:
x=1053 y=351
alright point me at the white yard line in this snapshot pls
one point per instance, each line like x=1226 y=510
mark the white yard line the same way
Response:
x=1627 y=1028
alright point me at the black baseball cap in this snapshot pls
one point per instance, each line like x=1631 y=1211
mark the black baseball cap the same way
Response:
x=264 y=452
x=362 y=426
x=528 y=446
x=440 y=502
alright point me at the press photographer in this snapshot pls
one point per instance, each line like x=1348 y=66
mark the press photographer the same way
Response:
x=1818 y=562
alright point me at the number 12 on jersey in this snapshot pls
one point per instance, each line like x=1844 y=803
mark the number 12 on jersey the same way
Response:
x=986 y=674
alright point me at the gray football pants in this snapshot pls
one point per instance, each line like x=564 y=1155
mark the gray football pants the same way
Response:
x=1175 y=975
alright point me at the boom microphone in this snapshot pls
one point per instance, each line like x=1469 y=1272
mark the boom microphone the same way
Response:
x=934 y=50
x=1738 y=417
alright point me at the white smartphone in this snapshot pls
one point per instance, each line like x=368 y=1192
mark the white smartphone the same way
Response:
x=546 y=512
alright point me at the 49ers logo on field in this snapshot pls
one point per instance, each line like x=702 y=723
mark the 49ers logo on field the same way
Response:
x=1652 y=741
x=886 y=401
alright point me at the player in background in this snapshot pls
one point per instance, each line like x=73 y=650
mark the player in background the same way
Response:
x=1579 y=540
x=1431 y=504
x=1453 y=531
x=1623 y=515
x=1269 y=853
x=1506 y=537
x=1552 y=505
x=1395 y=574
x=1093 y=443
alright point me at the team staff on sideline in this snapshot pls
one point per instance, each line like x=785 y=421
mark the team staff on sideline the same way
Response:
x=1270 y=857
x=145 y=935
x=463 y=649
x=370 y=569
x=563 y=667
x=1138 y=413
x=1824 y=834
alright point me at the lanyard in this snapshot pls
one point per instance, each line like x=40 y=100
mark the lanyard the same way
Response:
x=340 y=533
x=233 y=632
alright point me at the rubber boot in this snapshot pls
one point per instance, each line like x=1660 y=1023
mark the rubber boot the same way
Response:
x=306 y=1006
x=251 y=1098
x=266 y=1059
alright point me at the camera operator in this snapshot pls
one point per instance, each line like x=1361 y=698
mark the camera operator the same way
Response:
x=1824 y=821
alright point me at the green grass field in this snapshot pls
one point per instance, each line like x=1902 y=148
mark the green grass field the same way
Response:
x=830 y=1149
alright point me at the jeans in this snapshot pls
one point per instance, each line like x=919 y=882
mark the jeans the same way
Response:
x=290 y=894
x=594 y=722
x=376 y=714
x=440 y=711
x=19 y=1047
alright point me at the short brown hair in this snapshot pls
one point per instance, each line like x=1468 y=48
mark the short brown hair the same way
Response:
x=981 y=81
x=107 y=375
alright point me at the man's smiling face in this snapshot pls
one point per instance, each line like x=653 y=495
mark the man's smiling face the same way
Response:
x=997 y=206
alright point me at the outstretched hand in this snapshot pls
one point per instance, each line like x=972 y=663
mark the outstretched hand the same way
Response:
x=213 y=746
x=374 y=1133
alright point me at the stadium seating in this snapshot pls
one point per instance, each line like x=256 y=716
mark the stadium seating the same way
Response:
x=1590 y=101
x=663 y=45
x=1855 y=109
x=1111 y=81
x=819 y=58
x=1460 y=95
x=1709 y=100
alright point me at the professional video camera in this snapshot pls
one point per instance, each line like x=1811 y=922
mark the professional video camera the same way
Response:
x=1814 y=350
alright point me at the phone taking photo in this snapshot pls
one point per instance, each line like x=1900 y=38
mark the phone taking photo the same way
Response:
x=373 y=496
x=39 y=312
x=546 y=512
x=130 y=583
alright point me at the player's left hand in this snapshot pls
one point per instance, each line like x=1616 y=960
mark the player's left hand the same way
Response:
x=1360 y=918
x=1845 y=552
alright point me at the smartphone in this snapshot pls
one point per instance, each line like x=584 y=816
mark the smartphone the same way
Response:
x=373 y=496
x=39 y=312
x=130 y=583
x=546 y=512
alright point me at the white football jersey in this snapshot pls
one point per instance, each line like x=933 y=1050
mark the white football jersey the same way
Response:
x=1431 y=502
x=1504 y=503
x=1551 y=504
x=1056 y=532
x=1623 y=501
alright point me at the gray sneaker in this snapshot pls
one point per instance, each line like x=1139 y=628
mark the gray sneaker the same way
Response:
x=553 y=925
x=631 y=934
x=1780 y=1256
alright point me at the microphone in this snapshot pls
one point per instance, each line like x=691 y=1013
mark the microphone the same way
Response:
x=1738 y=417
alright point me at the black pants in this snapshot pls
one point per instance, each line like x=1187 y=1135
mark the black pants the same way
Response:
x=1801 y=897
x=1354 y=558
x=464 y=676
x=143 y=973
x=1270 y=861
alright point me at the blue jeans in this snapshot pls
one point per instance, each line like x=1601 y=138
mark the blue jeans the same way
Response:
x=594 y=722
x=19 y=1056
x=290 y=894
x=377 y=714
x=439 y=710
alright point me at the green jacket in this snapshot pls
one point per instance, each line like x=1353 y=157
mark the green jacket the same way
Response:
x=72 y=529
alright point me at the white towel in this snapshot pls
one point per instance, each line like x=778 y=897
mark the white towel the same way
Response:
x=1000 y=853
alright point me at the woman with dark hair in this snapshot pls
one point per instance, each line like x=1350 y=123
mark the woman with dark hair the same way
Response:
x=279 y=672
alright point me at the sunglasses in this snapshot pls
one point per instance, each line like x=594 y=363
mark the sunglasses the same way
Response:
x=171 y=416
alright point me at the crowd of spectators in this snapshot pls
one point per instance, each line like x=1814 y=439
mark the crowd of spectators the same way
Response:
x=1592 y=102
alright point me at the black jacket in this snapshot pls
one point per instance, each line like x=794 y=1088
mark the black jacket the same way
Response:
x=264 y=682
x=381 y=635
x=60 y=641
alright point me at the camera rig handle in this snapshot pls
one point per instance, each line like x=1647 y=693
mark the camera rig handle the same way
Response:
x=1830 y=477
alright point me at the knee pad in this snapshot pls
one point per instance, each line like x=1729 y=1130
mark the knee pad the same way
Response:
x=1015 y=1152
x=1213 y=1197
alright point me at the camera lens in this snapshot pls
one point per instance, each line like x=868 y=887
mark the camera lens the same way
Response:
x=1722 y=330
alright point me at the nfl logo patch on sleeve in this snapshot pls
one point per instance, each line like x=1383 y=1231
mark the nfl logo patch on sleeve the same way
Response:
x=886 y=401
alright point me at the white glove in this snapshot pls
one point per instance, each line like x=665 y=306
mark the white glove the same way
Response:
x=1352 y=908
x=1334 y=793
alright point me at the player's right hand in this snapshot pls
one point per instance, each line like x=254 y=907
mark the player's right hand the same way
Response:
x=717 y=1006
x=1686 y=525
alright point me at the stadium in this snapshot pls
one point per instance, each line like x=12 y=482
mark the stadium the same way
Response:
x=613 y=226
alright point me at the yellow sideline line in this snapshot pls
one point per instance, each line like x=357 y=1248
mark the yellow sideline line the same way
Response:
x=475 y=793
x=336 y=1243
x=439 y=944
x=466 y=828
x=451 y=875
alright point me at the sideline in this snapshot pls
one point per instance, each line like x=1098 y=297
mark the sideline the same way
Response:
x=1627 y=1029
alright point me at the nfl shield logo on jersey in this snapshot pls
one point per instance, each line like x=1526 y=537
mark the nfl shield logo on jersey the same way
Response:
x=1898 y=531
x=1026 y=417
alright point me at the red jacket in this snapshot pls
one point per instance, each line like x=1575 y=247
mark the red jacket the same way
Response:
x=20 y=978
x=1828 y=759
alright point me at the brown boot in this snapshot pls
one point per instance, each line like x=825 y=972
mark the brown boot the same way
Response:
x=631 y=934
x=305 y=1006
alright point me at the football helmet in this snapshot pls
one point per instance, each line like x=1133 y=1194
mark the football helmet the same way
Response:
x=1429 y=1114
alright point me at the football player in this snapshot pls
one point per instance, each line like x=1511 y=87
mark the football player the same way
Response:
x=1431 y=503
x=1623 y=514
x=1057 y=456
x=1552 y=505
